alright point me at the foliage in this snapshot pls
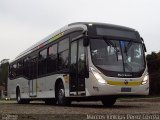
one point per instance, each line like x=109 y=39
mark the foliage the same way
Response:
x=153 y=62
x=4 y=73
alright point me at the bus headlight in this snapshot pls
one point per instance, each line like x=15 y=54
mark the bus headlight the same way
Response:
x=145 y=79
x=97 y=76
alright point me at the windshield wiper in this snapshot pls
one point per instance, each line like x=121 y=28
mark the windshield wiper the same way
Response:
x=127 y=47
x=111 y=44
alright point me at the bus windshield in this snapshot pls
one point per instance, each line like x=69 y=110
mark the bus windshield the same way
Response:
x=117 y=55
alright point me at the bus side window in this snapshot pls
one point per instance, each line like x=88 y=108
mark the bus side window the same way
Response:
x=12 y=72
x=52 y=59
x=20 y=68
x=26 y=71
x=63 y=54
x=81 y=59
x=42 y=63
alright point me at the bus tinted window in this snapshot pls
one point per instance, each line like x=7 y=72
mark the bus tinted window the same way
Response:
x=63 y=45
x=20 y=68
x=43 y=54
x=12 y=73
x=52 y=50
x=52 y=59
x=33 y=68
x=42 y=64
x=26 y=68
x=63 y=60
x=81 y=58
x=63 y=53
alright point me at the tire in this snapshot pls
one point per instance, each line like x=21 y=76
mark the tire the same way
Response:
x=60 y=96
x=19 y=99
x=109 y=101
x=50 y=101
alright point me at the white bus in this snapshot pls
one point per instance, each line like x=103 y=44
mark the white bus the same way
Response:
x=81 y=61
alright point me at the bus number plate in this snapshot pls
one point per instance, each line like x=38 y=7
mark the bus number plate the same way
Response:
x=125 y=89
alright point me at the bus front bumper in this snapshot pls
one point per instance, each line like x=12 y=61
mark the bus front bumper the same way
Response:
x=106 y=89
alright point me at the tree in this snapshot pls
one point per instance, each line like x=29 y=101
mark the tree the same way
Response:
x=4 y=72
x=153 y=62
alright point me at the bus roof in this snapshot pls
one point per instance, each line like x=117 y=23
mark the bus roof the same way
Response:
x=63 y=29
x=104 y=24
x=73 y=26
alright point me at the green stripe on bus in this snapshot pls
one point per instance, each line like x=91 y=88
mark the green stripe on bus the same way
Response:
x=56 y=37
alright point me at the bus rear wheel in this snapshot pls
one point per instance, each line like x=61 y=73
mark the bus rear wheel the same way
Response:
x=60 y=95
x=109 y=101
x=19 y=99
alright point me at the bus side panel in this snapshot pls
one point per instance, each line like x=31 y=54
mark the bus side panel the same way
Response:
x=46 y=86
x=23 y=85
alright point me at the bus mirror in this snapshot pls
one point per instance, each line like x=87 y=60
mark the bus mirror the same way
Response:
x=144 y=47
x=85 y=41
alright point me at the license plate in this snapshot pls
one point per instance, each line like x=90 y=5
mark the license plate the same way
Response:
x=125 y=89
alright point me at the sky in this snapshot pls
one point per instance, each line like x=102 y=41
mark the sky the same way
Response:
x=25 y=22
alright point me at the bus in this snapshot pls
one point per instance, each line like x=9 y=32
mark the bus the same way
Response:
x=81 y=62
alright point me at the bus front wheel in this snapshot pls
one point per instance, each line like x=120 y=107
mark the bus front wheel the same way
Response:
x=61 y=99
x=109 y=101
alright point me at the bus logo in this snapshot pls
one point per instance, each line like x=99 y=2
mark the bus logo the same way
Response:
x=126 y=82
x=124 y=75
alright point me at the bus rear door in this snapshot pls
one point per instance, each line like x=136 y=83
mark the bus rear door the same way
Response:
x=33 y=76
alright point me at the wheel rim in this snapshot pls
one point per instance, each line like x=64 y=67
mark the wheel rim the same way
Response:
x=18 y=97
x=61 y=95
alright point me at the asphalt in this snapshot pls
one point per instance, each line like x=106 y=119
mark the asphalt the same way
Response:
x=124 y=109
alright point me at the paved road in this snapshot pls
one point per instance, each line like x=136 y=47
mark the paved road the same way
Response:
x=84 y=110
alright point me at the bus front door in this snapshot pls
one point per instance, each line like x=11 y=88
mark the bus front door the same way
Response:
x=77 y=69
x=33 y=78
